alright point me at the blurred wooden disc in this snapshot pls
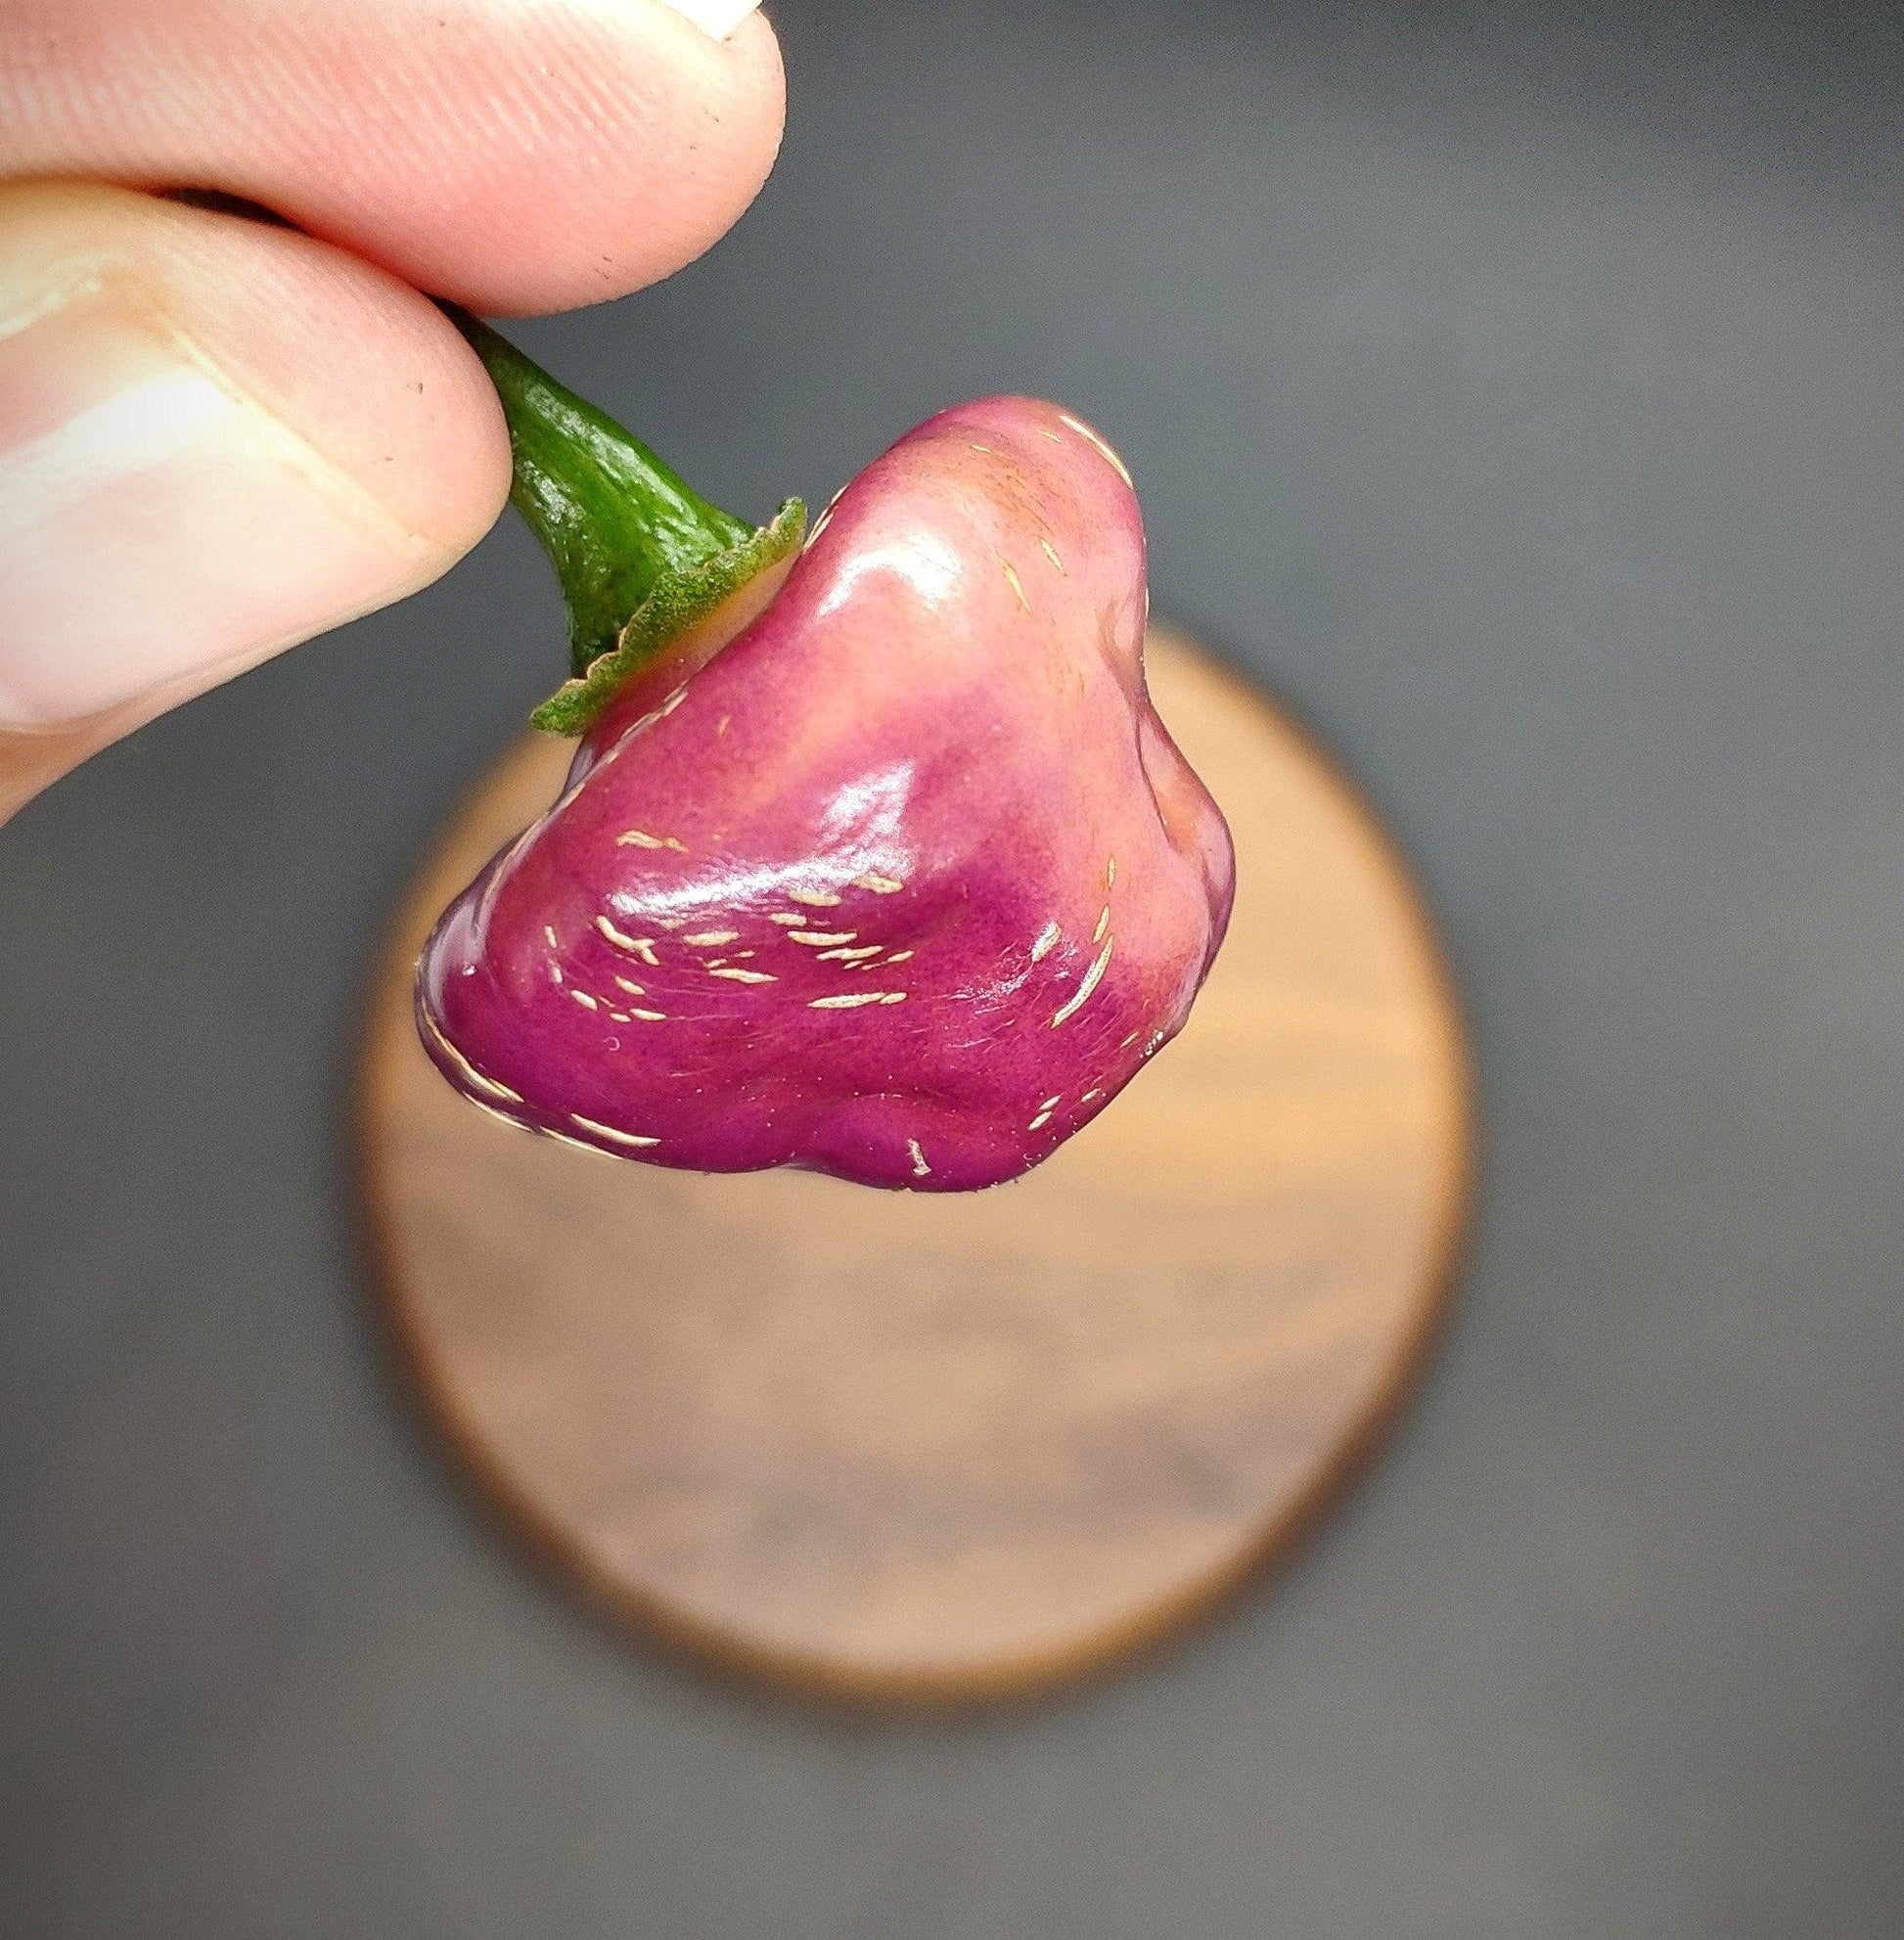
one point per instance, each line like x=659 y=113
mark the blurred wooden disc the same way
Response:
x=944 y=1447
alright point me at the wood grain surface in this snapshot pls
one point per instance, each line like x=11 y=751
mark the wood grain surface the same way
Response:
x=946 y=1447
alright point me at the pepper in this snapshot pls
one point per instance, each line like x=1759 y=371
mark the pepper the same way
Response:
x=875 y=857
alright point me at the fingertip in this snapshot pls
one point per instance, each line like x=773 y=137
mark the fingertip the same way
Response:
x=517 y=157
x=682 y=130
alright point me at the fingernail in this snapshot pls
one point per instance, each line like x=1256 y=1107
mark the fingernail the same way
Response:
x=159 y=529
x=718 y=17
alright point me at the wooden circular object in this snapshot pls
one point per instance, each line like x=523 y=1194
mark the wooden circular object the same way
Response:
x=942 y=1447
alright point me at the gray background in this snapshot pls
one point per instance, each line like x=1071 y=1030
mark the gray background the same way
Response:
x=1523 y=402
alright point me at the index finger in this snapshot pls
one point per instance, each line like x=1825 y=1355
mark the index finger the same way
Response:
x=515 y=156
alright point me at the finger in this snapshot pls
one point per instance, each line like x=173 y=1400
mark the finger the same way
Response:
x=516 y=157
x=216 y=439
x=30 y=762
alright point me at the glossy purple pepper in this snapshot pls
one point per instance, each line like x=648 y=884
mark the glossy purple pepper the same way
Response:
x=903 y=881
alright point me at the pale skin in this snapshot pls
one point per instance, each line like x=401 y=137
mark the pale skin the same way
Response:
x=219 y=438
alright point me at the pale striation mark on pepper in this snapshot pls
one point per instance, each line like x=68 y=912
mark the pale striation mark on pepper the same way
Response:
x=463 y=1065
x=1051 y=553
x=854 y=999
x=1085 y=432
x=641 y=946
x=640 y=838
x=744 y=975
x=851 y=956
x=563 y=1139
x=500 y=1117
x=1039 y=1122
x=1111 y=872
x=1016 y=585
x=608 y=1131
x=919 y=1169
x=583 y=998
x=652 y=1016
x=633 y=989
x=1047 y=936
x=1092 y=977
x=901 y=957
x=788 y=915
x=707 y=939
x=880 y=885
x=1103 y=924
x=820 y=938
x=549 y=930
x=555 y=972
x=1096 y=1091
x=819 y=899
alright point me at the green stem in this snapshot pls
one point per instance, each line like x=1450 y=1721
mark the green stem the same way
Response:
x=640 y=554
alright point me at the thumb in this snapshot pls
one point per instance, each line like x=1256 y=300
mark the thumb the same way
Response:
x=216 y=439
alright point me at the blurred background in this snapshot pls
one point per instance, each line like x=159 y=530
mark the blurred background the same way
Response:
x=1519 y=391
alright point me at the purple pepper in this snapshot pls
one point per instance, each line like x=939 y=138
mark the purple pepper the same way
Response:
x=874 y=859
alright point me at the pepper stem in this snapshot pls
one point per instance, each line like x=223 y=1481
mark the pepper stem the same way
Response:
x=640 y=554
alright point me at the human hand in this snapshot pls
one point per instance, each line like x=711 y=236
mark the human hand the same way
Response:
x=218 y=439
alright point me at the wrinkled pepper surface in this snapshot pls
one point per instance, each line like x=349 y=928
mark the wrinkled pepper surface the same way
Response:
x=873 y=857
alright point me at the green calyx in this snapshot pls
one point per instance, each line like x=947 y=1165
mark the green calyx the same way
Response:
x=679 y=599
x=642 y=556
